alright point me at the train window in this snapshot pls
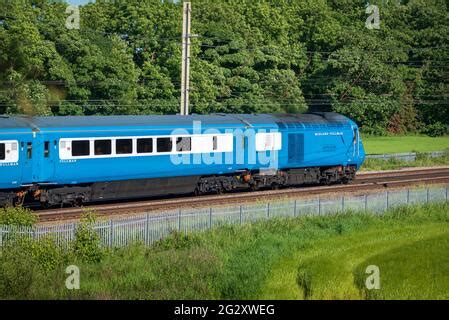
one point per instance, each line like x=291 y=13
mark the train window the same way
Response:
x=124 y=146
x=268 y=141
x=2 y=151
x=29 y=150
x=183 y=144
x=80 y=148
x=215 y=143
x=145 y=145
x=164 y=145
x=103 y=147
x=46 y=149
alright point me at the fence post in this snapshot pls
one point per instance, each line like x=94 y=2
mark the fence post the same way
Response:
x=1 y=236
x=111 y=233
x=73 y=231
x=210 y=218
x=179 y=220
x=427 y=195
x=342 y=203
x=241 y=214
x=147 y=229
x=408 y=196
x=366 y=202
x=446 y=193
x=294 y=206
x=319 y=205
x=268 y=210
x=388 y=199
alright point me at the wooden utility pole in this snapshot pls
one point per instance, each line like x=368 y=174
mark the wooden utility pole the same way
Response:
x=185 y=75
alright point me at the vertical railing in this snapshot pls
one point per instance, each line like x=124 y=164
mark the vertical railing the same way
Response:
x=295 y=207
x=387 y=199
x=210 y=218
x=111 y=233
x=148 y=228
x=241 y=214
x=319 y=205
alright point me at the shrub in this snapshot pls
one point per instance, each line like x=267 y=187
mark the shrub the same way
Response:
x=436 y=129
x=86 y=245
x=46 y=253
x=17 y=216
x=177 y=240
x=29 y=266
x=17 y=272
x=405 y=120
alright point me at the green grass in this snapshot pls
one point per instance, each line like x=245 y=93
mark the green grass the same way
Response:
x=391 y=164
x=337 y=271
x=280 y=258
x=423 y=271
x=399 y=144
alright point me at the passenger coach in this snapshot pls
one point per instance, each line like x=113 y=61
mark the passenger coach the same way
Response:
x=71 y=160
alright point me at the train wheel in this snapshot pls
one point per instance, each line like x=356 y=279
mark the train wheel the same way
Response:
x=45 y=205
x=254 y=187
x=220 y=190
x=78 y=203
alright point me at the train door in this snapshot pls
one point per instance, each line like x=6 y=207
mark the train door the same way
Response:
x=295 y=148
x=250 y=156
x=46 y=151
x=242 y=157
x=26 y=153
x=355 y=145
x=9 y=163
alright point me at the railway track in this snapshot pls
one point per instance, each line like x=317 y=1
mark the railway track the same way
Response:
x=364 y=182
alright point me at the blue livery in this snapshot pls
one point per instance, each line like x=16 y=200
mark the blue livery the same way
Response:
x=63 y=159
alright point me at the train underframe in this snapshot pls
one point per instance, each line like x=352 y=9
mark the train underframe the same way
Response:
x=49 y=196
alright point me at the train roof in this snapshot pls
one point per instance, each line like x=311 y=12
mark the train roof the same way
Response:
x=38 y=123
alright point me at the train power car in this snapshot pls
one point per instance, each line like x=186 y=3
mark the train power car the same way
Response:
x=73 y=160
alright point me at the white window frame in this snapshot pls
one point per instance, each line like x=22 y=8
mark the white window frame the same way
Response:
x=200 y=143
x=11 y=156
x=268 y=141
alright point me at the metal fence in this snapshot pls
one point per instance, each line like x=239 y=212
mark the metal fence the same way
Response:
x=149 y=228
x=408 y=157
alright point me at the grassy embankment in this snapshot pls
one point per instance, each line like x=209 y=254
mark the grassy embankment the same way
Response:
x=399 y=144
x=404 y=144
x=307 y=257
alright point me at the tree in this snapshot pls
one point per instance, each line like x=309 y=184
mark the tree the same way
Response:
x=249 y=57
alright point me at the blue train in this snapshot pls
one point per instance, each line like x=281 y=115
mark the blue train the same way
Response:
x=73 y=160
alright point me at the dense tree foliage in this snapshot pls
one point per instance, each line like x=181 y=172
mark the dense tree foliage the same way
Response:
x=249 y=56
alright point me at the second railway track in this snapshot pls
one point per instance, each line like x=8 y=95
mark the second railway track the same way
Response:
x=364 y=182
